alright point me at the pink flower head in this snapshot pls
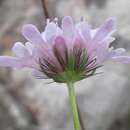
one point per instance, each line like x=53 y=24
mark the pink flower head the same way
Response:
x=69 y=52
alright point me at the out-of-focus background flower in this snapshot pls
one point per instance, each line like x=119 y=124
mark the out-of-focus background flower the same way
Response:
x=30 y=104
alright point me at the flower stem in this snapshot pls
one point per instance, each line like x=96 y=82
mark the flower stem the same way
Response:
x=72 y=98
x=45 y=8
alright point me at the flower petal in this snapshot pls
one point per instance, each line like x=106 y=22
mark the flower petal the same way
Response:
x=68 y=28
x=50 y=31
x=85 y=31
x=38 y=74
x=102 y=52
x=8 y=61
x=31 y=33
x=106 y=29
x=20 y=50
x=122 y=59
x=60 y=50
x=30 y=47
x=118 y=52
x=95 y=48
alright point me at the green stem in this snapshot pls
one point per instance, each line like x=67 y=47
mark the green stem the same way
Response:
x=72 y=98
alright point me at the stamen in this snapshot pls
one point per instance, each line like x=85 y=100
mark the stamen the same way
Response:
x=47 y=67
x=77 y=51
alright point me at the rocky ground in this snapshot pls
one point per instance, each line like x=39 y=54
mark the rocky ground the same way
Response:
x=27 y=103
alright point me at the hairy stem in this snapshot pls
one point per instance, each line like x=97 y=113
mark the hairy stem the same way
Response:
x=72 y=98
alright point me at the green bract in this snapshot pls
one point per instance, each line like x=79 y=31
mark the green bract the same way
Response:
x=75 y=69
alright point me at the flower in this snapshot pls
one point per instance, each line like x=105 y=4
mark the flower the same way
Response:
x=65 y=53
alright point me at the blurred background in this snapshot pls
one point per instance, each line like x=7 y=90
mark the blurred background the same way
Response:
x=31 y=104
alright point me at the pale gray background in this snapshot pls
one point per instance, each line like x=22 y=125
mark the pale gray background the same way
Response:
x=27 y=103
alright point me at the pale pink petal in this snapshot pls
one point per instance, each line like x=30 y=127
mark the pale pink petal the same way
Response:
x=20 y=50
x=8 y=61
x=60 y=50
x=50 y=31
x=30 y=62
x=49 y=39
x=30 y=47
x=33 y=36
x=106 y=29
x=122 y=59
x=68 y=28
x=111 y=39
x=84 y=30
x=38 y=74
x=59 y=32
x=31 y=33
x=96 y=46
x=26 y=54
x=80 y=41
x=102 y=52
x=118 y=52
x=93 y=32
